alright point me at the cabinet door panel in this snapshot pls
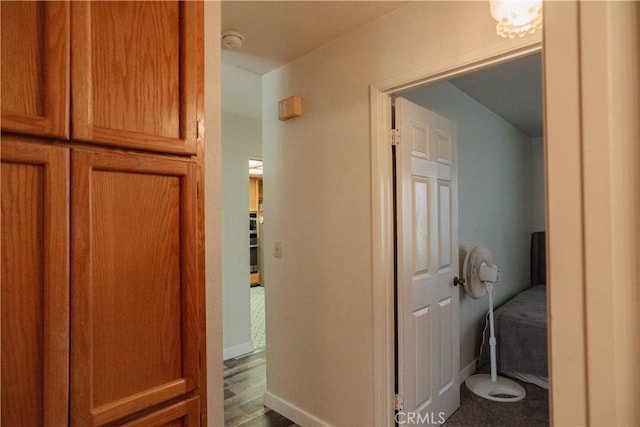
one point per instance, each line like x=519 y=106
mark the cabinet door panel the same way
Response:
x=35 y=67
x=136 y=74
x=134 y=305
x=181 y=414
x=35 y=284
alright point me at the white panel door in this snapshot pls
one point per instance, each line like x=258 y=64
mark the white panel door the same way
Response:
x=427 y=256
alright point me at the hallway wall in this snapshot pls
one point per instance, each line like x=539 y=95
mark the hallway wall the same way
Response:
x=212 y=215
x=241 y=139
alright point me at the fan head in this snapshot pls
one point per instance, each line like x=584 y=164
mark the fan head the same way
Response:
x=474 y=259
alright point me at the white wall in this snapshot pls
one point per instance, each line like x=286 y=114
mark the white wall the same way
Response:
x=318 y=193
x=537 y=184
x=241 y=92
x=212 y=174
x=592 y=131
x=241 y=139
x=494 y=195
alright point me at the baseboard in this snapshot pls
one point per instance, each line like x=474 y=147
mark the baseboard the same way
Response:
x=237 y=350
x=467 y=371
x=295 y=414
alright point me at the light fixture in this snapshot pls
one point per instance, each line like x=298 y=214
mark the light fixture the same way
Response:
x=255 y=167
x=516 y=17
x=232 y=40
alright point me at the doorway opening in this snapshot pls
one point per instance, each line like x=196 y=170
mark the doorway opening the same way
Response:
x=245 y=371
x=256 y=254
x=477 y=223
x=498 y=116
x=243 y=308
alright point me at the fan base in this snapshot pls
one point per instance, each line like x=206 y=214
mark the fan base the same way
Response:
x=501 y=390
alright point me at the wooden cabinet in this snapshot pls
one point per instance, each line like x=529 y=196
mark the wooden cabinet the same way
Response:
x=35 y=67
x=135 y=74
x=35 y=283
x=255 y=194
x=134 y=307
x=185 y=414
x=102 y=230
x=133 y=70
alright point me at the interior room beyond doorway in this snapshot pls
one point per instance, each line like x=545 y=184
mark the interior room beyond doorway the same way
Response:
x=498 y=116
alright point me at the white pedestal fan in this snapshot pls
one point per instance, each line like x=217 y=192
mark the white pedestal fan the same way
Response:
x=479 y=275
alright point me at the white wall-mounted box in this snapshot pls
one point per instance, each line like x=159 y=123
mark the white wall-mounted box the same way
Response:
x=289 y=108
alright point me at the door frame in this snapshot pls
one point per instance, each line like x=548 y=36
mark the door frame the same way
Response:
x=383 y=209
x=591 y=60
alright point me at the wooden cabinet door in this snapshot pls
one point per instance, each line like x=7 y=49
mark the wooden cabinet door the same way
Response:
x=35 y=67
x=136 y=73
x=134 y=306
x=35 y=283
x=181 y=414
x=253 y=195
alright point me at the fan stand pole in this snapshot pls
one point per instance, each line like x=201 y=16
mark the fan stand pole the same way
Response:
x=492 y=335
x=493 y=387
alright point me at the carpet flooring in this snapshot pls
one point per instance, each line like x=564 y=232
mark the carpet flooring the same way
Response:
x=532 y=411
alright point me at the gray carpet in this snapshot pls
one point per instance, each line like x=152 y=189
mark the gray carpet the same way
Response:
x=475 y=411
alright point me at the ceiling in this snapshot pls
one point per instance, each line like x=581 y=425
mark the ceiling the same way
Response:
x=512 y=90
x=277 y=32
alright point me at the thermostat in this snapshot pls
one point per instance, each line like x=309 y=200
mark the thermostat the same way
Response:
x=289 y=108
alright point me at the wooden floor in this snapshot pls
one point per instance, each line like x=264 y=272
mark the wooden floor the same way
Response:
x=244 y=385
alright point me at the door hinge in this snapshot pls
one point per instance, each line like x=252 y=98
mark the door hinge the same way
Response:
x=197 y=189
x=199 y=360
x=394 y=136
x=397 y=402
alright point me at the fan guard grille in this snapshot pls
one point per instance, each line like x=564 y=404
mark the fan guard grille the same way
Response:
x=471 y=270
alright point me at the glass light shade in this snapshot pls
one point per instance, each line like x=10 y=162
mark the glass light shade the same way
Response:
x=516 y=17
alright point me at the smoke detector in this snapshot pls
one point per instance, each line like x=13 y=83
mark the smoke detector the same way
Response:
x=232 y=40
